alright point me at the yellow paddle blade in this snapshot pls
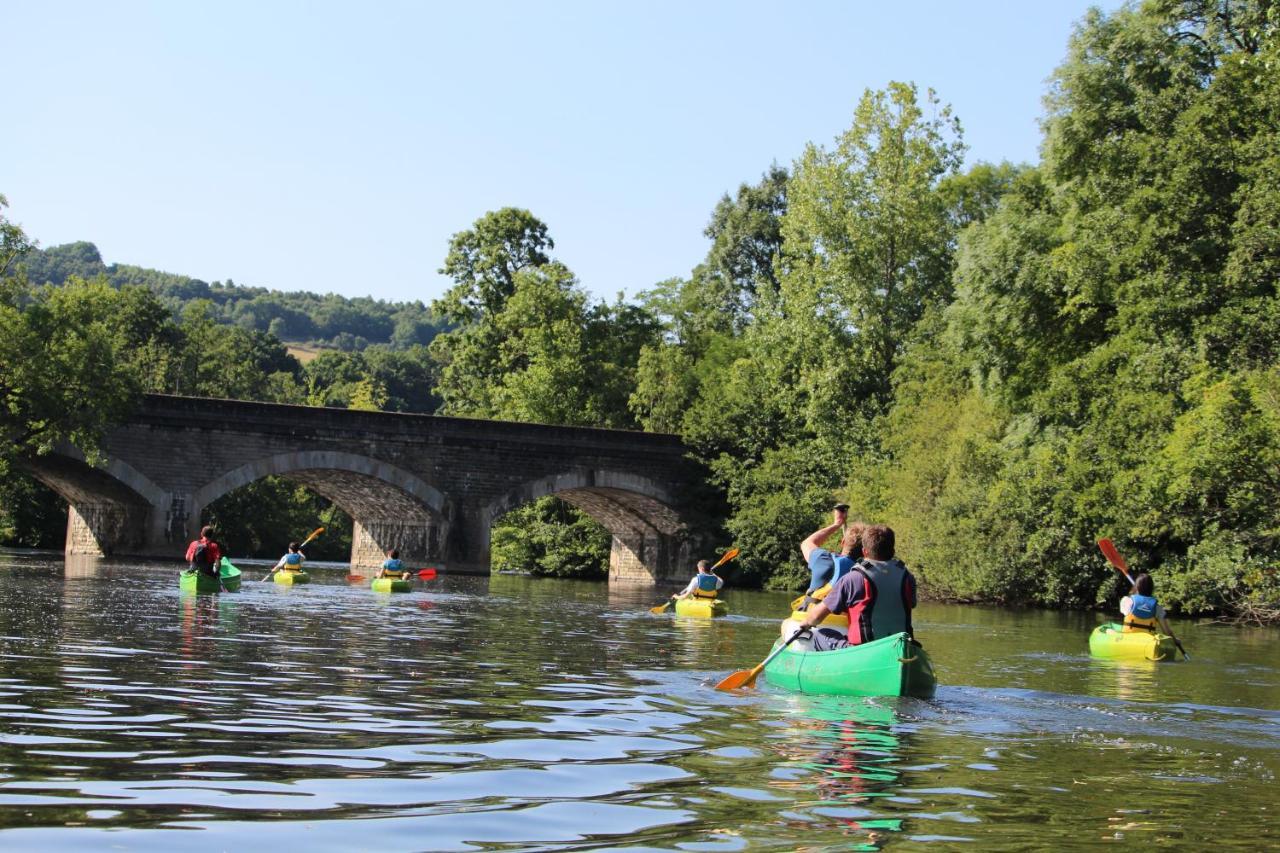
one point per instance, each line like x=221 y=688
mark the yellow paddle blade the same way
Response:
x=313 y=535
x=661 y=608
x=741 y=678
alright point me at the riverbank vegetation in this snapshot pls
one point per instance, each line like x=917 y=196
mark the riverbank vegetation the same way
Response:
x=1003 y=362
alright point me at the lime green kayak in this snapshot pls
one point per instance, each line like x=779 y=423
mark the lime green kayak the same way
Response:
x=228 y=579
x=287 y=577
x=893 y=666
x=391 y=585
x=703 y=608
x=1113 y=642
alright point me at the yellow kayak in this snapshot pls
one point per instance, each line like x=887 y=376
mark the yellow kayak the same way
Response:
x=1111 y=641
x=287 y=577
x=704 y=608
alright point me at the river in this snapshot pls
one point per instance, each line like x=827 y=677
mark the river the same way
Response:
x=510 y=713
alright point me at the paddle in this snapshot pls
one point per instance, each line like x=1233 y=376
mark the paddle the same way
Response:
x=747 y=677
x=313 y=535
x=1113 y=557
x=427 y=574
x=728 y=555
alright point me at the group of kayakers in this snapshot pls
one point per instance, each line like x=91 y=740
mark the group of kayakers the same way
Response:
x=866 y=583
x=205 y=554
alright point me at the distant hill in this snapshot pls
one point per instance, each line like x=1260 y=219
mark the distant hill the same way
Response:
x=328 y=321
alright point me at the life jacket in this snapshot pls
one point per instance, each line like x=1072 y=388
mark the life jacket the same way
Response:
x=1143 y=617
x=393 y=565
x=293 y=561
x=843 y=564
x=885 y=608
x=706 y=587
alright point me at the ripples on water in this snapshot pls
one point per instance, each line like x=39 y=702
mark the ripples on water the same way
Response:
x=508 y=713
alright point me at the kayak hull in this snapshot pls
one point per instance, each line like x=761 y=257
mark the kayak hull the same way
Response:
x=893 y=666
x=288 y=578
x=391 y=585
x=1111 y=642
x=228 y=579
x=702 y=608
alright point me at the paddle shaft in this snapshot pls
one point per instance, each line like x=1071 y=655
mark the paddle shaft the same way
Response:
x=746 y=678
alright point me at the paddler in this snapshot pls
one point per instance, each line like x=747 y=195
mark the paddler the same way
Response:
x=705 y=584
x=826 y=568
x=1141 y=610
x=393 y=566
x=878 y=595
x=292 y=560
x=204 y=555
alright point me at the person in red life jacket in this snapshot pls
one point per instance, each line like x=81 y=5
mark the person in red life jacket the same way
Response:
x=878 y=595
x=705 y=583
x=825 y=568
x=1141 y=610
x=204 y=555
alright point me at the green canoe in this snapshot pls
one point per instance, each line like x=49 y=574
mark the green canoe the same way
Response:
x=1113 y=642
x=228 y=579
x=893 y=666
x=391 y=585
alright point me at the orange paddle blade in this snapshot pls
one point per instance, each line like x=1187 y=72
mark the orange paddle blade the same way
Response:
x=427 y=574
x=728 y=555
x=741 y=678
x=354 y=578
x=1113 y=556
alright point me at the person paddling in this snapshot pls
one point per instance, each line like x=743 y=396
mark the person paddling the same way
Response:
x=878 y=595
x=393 y=566
x=825 y=568
x=1141 y=610
x=204 y=555
x=705 y=584
x=291 y=561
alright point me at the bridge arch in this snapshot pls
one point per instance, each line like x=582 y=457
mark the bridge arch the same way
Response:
x=109 y=505
x=390 y=507
x=650 y=540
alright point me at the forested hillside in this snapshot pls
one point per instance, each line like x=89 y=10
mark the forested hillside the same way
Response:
x=348 y=324
x=1003 y=362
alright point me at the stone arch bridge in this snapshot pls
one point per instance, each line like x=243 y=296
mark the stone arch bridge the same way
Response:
x=430 y=486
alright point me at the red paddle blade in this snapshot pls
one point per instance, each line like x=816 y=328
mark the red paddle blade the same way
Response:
x=427 y=574
x=1113 y=556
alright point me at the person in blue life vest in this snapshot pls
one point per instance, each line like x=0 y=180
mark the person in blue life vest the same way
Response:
x=393 y=567
x=292 y=560
x=877 y=594
x=204 y=555
x=705 y=583
x=825 y=567
x=1141 y=610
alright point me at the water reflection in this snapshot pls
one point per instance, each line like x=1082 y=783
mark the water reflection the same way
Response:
x=852 y=747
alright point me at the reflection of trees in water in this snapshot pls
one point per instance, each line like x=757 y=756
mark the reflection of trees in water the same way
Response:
x=852 y=749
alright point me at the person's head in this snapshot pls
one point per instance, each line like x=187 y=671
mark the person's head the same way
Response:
x=877 y=542
x=1144 y=585
x=206 y=532
x=293 y=547
x=851 y=542
x=394 y=553
x=704 y=566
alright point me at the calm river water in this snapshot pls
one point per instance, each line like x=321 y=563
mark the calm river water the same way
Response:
x=507 y=713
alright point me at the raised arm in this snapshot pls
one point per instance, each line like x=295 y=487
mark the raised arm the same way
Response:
x=817 y=537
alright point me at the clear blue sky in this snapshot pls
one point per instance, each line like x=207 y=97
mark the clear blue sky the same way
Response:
x=336 y=147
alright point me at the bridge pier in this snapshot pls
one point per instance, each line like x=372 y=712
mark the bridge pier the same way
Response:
x=646 y=558
x=101 y=528
x=419 y=544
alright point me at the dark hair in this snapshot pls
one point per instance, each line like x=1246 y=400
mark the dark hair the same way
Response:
x=704 y=564
x=877 y=542
x=394 y=553
x=1143 y=584
x=207 y=531
x=293 y=546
